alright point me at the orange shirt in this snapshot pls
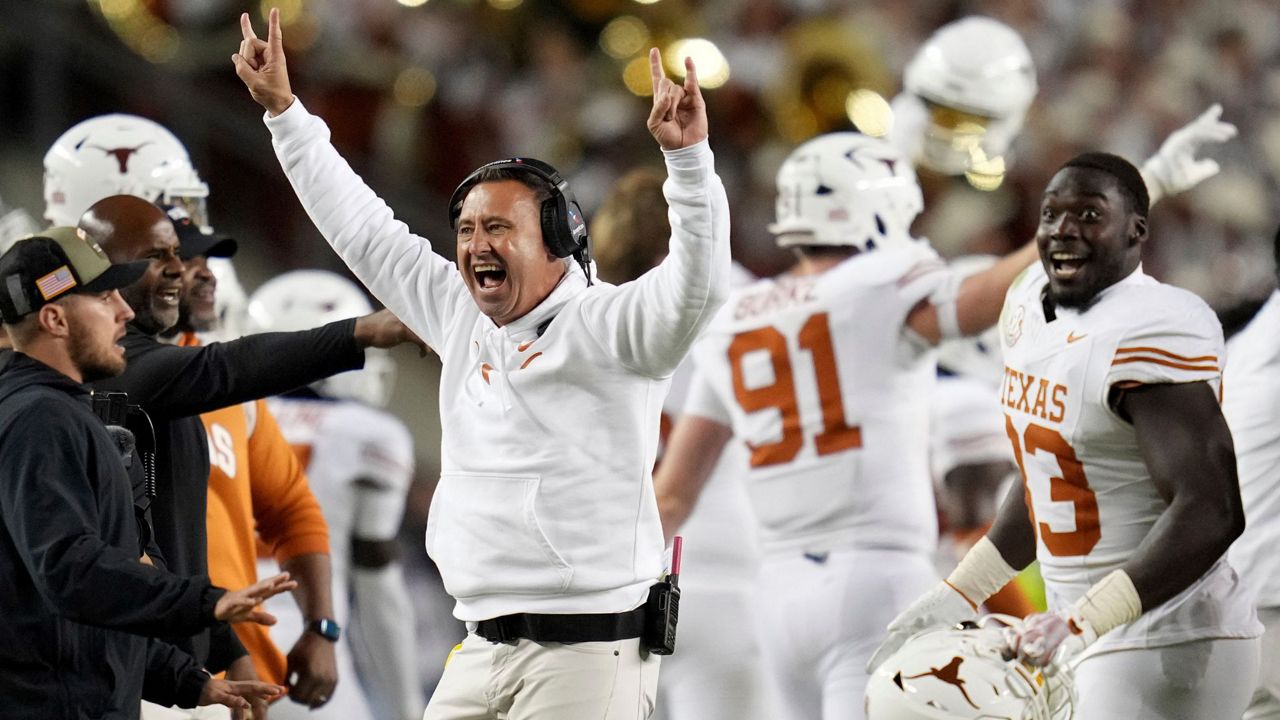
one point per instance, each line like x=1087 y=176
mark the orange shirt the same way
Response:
x=256 y=484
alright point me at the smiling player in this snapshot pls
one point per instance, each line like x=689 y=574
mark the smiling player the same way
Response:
x=1110 y=393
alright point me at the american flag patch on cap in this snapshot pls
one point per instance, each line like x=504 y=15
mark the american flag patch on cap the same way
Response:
x=56 y=282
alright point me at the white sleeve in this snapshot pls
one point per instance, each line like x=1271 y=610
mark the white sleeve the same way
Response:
x=386 y=469
x=1177 y=340
x=383 y=649
x=650 y=323
x=419 y=286
x=703 y=401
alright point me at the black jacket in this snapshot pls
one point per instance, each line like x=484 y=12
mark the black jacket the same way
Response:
x=77 y=602
x=174 y=385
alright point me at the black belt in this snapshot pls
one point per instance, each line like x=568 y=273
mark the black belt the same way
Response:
x=563 y=628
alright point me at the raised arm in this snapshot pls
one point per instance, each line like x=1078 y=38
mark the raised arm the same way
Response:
x=655 y=319
x=400 y=268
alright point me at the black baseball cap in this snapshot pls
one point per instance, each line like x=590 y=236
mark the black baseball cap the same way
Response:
x=193 y=242
x=43 y=267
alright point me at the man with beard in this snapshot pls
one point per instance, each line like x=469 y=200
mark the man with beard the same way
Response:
x=81 y=599
x=257 y=489
x=1130 y=498
x=174 y=385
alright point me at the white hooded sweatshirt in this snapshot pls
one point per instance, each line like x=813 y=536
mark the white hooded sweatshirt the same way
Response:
x=545 y=502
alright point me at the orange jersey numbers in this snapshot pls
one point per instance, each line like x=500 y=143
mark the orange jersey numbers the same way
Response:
x=780 y=395
x=1071 y=486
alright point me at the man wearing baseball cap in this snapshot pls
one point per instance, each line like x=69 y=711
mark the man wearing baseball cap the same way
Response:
x=70 y=554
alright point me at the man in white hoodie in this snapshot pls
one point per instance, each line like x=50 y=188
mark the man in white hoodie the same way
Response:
x=544 y=523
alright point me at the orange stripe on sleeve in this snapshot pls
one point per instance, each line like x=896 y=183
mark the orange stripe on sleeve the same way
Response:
x=1166 y=353
x=1166 y=363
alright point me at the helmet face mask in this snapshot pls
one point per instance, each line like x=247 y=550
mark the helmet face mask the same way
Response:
x=961 y=673
x=846 y=189
x=972 y=82
x=119 y=155
x=305 y=299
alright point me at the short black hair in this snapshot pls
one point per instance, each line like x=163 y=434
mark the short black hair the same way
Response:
x=1128 y=178
x=542 y=189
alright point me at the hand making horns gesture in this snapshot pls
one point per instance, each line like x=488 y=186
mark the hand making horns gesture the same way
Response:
x=679 y=117
x=261 y=67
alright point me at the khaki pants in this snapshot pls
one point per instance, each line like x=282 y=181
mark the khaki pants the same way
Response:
x=151 y=711
x=545 y=681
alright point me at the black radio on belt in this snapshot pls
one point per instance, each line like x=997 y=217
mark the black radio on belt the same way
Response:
x=662 y=609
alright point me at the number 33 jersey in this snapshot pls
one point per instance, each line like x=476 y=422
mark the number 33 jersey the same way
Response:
x=817 y=377
x=1091 y=498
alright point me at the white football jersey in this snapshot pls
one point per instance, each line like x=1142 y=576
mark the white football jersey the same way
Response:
x=830 y=396
x=359 y=463
x=720 y=534
x=967 y=425
x=1091 y=497
x=1251 y=403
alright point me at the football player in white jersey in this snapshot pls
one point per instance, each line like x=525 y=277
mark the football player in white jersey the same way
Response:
x=715 y=673
x=359 y=460
x=1130 y=498
x=824 y=373
x=966 y=93
x=1251 y=404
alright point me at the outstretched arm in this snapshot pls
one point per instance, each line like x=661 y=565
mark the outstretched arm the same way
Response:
x=974 y=304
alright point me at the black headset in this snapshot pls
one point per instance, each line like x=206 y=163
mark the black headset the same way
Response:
x=564 y=229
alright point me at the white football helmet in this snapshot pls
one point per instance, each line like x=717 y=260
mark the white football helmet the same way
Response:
x=230 y=302
x=845 y=188
x=968 y=90
x=304 y=299
x=119 y=155
x=961 y=674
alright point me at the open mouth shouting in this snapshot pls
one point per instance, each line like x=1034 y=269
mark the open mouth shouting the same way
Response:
x=489 y=275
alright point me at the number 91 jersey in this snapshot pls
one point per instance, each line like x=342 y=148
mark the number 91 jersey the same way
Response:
x=817 y=377
x=1091 y=498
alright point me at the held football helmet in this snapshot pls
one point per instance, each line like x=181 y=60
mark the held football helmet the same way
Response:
x=846 y=189
x=967 y=92
x=961 y=674
x=119 y=155
x=305 y=299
